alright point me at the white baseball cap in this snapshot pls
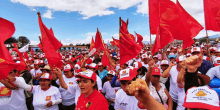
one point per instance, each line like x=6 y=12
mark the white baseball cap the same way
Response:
x=202 y=97
x=36 y=62
x=181 y=58
x=137 y=64
x=164 y=62
x=196 y=49
x=67 y=67
x=127 y=74
x=217 y=61
x=87 y=74
x=46 y=76
x=77 y=68
x=111 y=72
x=144 y=56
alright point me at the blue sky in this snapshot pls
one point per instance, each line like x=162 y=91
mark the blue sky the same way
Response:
x=76 y=21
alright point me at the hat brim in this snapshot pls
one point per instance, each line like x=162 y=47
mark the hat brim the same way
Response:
x=154 y=73
x=200 y=105
x=164 y=64
x=216 y=64
x=67 y=70
x=127 y=78
x=77 y=71
x=83 y=76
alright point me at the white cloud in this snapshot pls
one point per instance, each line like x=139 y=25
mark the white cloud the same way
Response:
x=147 y=38
x=87 y=8
x=48 y=14
x=34 y=42
x=143 y=8
x=32 y=9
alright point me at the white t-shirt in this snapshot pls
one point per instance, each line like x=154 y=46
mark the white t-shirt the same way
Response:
x=74 y=89
x=214 y=72
x=109 y=90
x=68 y=98
x=34 y=72
x=41 y=97
x=125 y=102
x=181 y=97
x=145 y=65
x=16 y=101
x=173 y=83
x=99 y=82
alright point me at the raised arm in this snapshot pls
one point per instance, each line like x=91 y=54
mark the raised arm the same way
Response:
x=60 y=76
x=141 y=91
x=83 y=65
x=166 y=73
x=20 y=82
x=149 y=72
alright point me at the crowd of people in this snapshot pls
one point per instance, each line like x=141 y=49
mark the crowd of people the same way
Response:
x=172 y=79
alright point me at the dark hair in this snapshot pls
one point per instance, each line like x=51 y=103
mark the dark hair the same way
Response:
x=14 y=70
x=143 y=70
x=95 y=86
x=72 y=70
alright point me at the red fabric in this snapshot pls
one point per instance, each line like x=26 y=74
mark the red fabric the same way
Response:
x=173 y=19
x=15 y=45
x=53 y=56
x=195 y=27
x=40 y=46
x=113 y=43
x=26 y=56
x=156 y=46
x=73 y=59
x=154 y=15
x=97 y=100
x=7 y=29
x=21 y=65
x=165 y=37
x=128 y=48
x=32 y=51
x=98 y=41
x=56 y=43
x=139 y=39
x=132 y=37
x=116 y=42
x=212 y=15
x=4 y=91
x=92 y=45
x=105 y=60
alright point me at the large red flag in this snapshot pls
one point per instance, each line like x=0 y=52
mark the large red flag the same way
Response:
x=165 y=37
x=92 y=45
x=98 y=41
x=173 y=19
x=105 y=60
x=7 y=29
x=52 y=55
x=195 y=27
x=156 y=46
x=212 y=14
x=21 y=64
x=153 y=15
x=128 y=47
x=113 y=43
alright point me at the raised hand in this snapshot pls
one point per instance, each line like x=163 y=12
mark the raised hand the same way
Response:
x=193 y=62
x=151 y=64
x=139 y=89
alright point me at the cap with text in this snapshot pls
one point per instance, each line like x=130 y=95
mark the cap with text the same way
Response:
x=87 y=74
x=181 y=58
x=46 y=76
x=127 y=74
x=67 y=67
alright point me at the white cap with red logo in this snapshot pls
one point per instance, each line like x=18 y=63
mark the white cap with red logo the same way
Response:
x=164 y=62
x=181 y=58
x=144 y=56
x=77 y=68
x=111 y=72
x=127 y=74
x=36 y=62
x=46 y=76
x=217 y=61
x=196 y=49
x=137 y=64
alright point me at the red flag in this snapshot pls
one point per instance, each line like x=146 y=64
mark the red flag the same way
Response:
x=32 y=51
x=105 y=60
x=56 y=43
x=98 y=41
x=132 y=37
x=156 y=45
x=7 y=29
x=165 y=37
x=21 y=65
x=153 y=15
x=26 y=56
x=195 y=27
x=212 y=14
x=173 y=19
x=116 y=42
x=92 y=45
x=128 y=47
x=40 y=46
x=139 y=39
x=50 y=50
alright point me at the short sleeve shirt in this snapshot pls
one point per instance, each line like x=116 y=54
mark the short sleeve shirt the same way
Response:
x=95 y=101
x=103 y=74
x=41 y=97
x=214 y=72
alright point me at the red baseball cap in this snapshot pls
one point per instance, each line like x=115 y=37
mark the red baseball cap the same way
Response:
x=127 y=74
x=77 y=68
x=156 y=71
x=217 y=61
x=87 y=74
x=137 y=65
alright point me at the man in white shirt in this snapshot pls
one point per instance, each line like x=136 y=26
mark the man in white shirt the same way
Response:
x=36 y=72
x=123 y=100
x=215 y=71
x=145 y=60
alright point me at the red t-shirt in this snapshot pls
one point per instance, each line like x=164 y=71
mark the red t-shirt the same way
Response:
x=95 y=101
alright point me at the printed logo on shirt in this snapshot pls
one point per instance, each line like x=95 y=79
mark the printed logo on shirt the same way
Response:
x=123 y=104
x=5 y=91
x=218 y=61
x=48 y=98
x=88 y=104
x=201 y=93
x=70 y=83
x=141 y=105
x=133 y=65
